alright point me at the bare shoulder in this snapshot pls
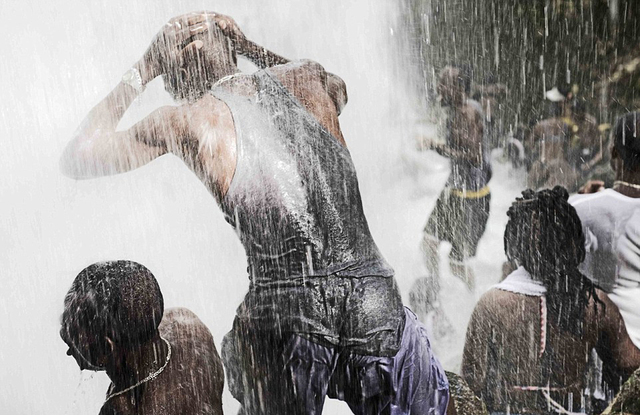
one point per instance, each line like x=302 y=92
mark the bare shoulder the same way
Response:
x=299 y=68
x=180 y=316
x=496 y=298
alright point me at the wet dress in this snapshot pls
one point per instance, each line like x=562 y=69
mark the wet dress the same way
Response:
x=323 y=314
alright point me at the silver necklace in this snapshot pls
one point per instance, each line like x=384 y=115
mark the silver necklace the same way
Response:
x=147 y=379
x=620 y=182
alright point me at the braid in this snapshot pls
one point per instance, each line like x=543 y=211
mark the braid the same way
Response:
x=544 y=235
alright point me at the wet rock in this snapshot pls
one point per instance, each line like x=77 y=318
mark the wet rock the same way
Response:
x=463 y=401
x=627 y=402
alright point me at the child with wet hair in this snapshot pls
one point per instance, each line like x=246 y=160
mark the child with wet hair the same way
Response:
x=114 y=320
x=530 y=336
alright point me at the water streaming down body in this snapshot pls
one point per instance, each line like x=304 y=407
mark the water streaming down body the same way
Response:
x=160 y=214
x=300 y=182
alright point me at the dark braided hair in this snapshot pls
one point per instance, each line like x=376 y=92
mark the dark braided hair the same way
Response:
x=544 y=235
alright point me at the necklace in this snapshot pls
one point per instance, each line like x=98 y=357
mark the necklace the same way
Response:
x=620 y=182
x=147 y=379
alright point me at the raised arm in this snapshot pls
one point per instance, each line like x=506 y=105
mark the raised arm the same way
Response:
x=264 y=58
x=97 y=149
x=260 y=56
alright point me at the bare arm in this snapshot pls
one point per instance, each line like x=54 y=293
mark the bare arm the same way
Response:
x=264 y=58
x=614 y=345
x=260 y=56
x=97 y=149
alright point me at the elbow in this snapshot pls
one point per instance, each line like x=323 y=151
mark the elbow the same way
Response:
x=68 y=164
x=76 y=165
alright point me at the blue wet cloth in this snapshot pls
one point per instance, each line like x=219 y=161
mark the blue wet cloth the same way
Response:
x=274 y=374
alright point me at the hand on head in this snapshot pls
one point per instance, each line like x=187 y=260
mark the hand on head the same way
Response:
x=184 y=35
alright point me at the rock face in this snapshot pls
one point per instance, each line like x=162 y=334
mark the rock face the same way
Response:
x=627 y=402
x=463 y=401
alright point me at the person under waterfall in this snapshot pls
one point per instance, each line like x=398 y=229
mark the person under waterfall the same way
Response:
x=461 y=212
x=530 y=336
x=323 y=315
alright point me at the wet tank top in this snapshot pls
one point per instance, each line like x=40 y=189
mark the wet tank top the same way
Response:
x=466 y=175
x=294 y=199
x=294 y=202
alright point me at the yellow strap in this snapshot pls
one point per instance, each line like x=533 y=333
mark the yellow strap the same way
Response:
x=604 y=127
x=471 y=194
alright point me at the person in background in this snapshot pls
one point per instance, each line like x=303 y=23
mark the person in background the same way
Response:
x=611 y=224
x=462 y=210
x=530 y=336
x=547 y=148
x=159 y=362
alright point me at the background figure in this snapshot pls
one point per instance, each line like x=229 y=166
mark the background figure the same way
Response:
x=547 y=148
x=462 y=210
x=529 y=337
x=158 y=362
x=611 y=223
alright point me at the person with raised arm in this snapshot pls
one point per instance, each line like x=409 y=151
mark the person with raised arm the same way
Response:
x=323 y=315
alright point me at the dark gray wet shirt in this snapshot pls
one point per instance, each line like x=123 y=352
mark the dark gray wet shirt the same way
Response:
x=295 y=204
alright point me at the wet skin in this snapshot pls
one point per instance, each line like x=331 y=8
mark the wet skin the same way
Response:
x=201 y=131
x=506 y=326
x=191 y=383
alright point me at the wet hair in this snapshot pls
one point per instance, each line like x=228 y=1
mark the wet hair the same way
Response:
x=544 y=235
x=118 y=299
x=626 y=139
x=216 y=48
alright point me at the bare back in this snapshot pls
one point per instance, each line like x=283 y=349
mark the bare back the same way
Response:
x=503 y=351
x=203 y=134
x=193 y=381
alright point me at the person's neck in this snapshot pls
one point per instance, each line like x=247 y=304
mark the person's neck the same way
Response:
x=627 y=183
x=137 y=362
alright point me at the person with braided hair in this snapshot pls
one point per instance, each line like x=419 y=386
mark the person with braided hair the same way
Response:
x=530 y=336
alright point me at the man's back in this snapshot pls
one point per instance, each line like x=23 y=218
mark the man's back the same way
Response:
x=193 y=380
